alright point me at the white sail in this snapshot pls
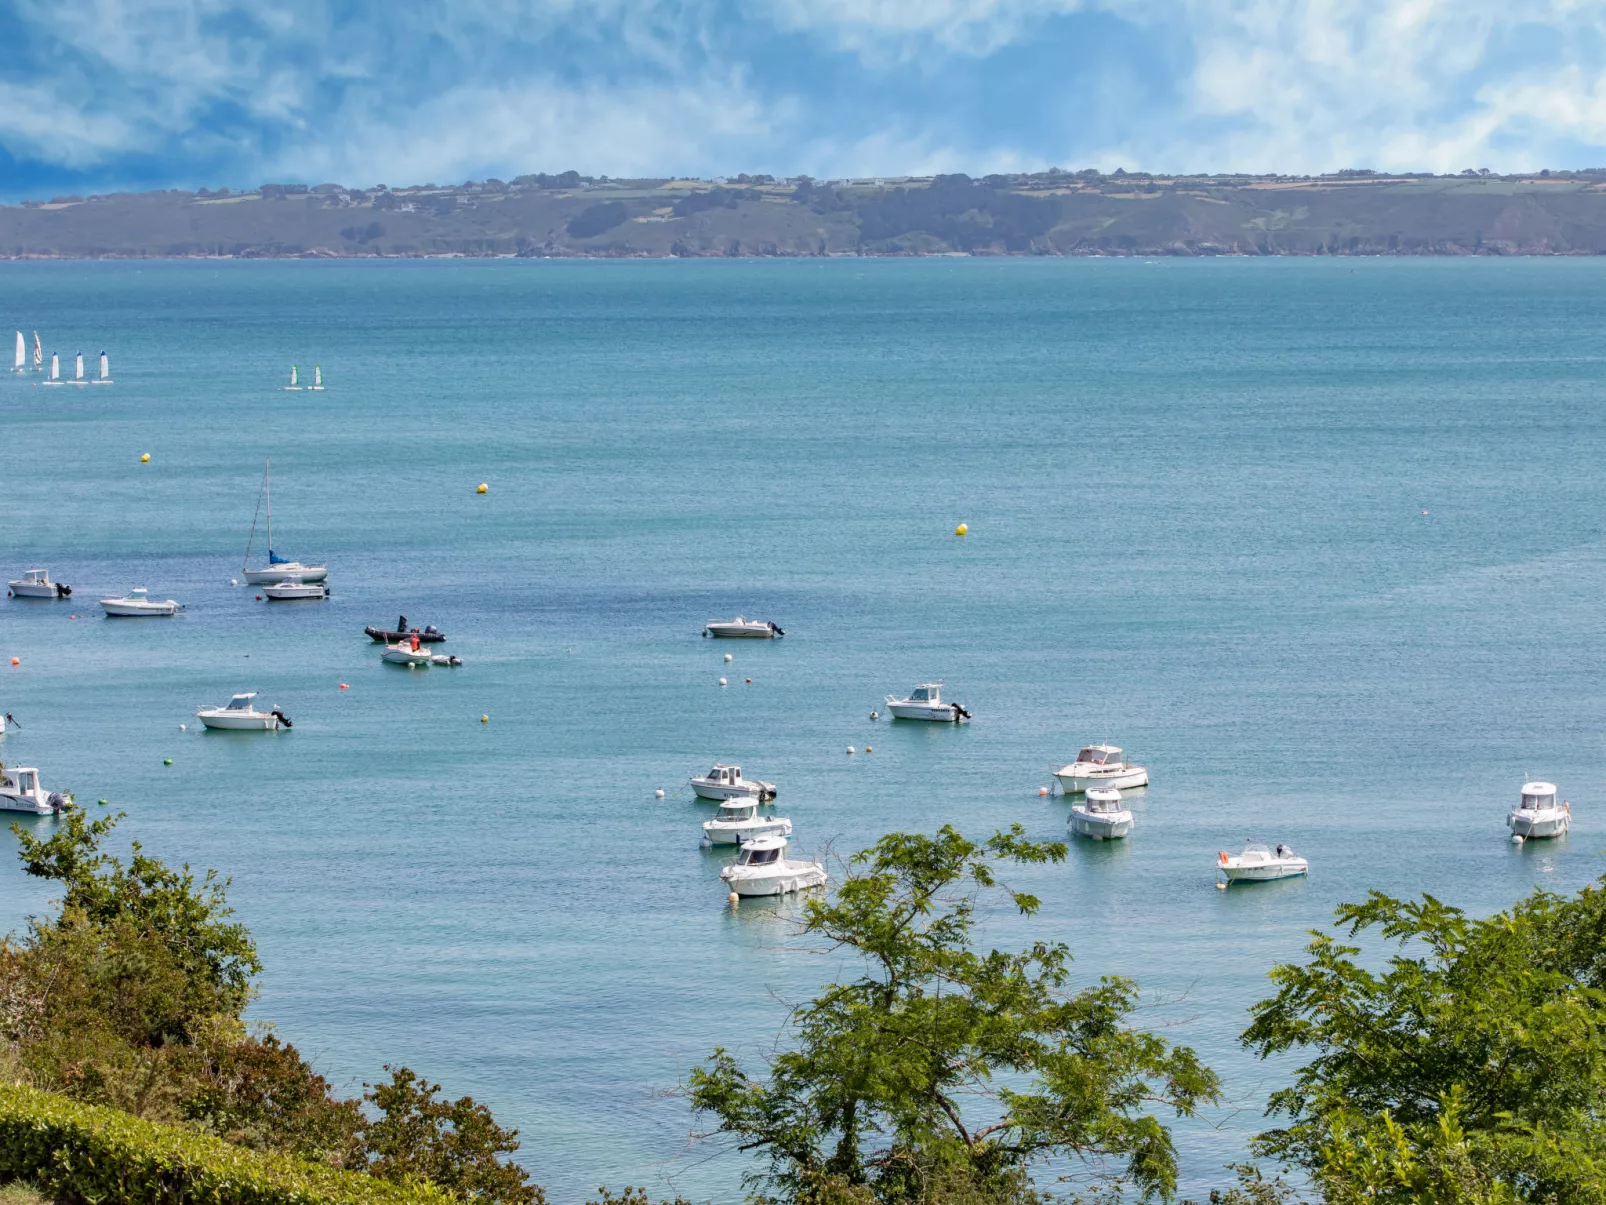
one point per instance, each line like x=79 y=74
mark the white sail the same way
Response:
x=295 y=378
x=55 y=367
x=105 y=377
x=22 y=352
x=38 y=352
x=317 y=376
x=78 y=368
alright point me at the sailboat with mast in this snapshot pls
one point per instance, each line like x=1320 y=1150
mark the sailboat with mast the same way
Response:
x=277 y=569
x=105 y=377
x=38 y=354
x=295 y=379
x=78 y=370
x=317 y=377
x=22 y=353
x=55 y=371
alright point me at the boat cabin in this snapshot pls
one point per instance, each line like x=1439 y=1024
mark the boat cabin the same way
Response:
x=725 y=776
x=1537 y=796
x=24 y=780
x=762 y=852
x=1099 y=755
x=1105 y=801
x=928 y=692
x=138 y=594
x=241 y=702
x=36 y=577
x=734 y=810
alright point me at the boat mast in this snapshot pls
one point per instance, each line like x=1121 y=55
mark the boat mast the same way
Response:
x=252 y=538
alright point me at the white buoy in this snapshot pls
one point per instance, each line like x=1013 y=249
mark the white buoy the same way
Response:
x=659 y=793
x=851 y=749
x=183 y=727
x=722 y=681
x=1220 y=886
x=727 y=657
x=233 y=582
x=874 y=716
x=1516 y=838
x=1042 y=790
x=735 y=899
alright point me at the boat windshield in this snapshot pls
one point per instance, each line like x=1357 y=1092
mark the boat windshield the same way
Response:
x=734 y=814
x=240 y=703
x=758 y=857
x=919 y=695
x=1533 y=803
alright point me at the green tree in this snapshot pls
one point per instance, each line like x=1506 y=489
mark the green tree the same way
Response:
x=1470 y=1068
x=892 y=1092
x=456 y=1144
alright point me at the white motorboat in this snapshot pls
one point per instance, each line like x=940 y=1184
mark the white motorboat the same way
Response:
x=1257 y=864
x=1537 y=813
x=138 y=603
x=762 y=868
x=406 y=654
x=241 y=715
x=1101 y=815
x=741 y=627
x=36 y=583
x=294 y=588
x=1101 y=766
x=277 y=568
x=726 y=782
x=738 y=822
x=20 y=792
x=925 y=703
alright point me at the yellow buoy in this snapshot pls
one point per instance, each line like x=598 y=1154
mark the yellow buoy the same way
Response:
x=145 y=459
x=482 y=488
x=962 y=529
x=485 y=719
x=735 y=899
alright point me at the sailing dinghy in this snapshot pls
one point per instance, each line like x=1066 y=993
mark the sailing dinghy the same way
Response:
x=105 y=377
x=22 y=353
x=295 y=379
x=277 y=569
x=317 y=377
x=38 y=354
x=55 y=371
x=78 y=370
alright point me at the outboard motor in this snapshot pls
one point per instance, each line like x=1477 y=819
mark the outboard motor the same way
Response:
x=776 y=629
x=960 y=711
x=63 y=591
x=283 y=719
x=11 y=720
x=58 y=802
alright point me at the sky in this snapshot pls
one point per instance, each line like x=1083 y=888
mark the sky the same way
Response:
x=101 y=95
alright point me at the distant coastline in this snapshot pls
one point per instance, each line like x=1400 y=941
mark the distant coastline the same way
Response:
x=1051 y=213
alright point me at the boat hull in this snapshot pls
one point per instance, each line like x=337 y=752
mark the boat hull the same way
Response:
x=123 y=610
x=726 y=631
x=1121 y=780
x=277 y=573
x=252 y=722
x=32 y=589
x=1262 y=874
x=27 y=804
x=1100 y=827
x=1545 y=824
x=383 y=636
x=734 y=834
x=780 y=880
x=301 y=593
x=942 y=713
x=717 y=791
x=420 y=659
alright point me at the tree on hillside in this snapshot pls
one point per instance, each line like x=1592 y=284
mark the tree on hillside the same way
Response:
x=892 y=1091
x=1470 y=1068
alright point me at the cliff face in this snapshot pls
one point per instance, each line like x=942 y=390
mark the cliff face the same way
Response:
x=1035 y=215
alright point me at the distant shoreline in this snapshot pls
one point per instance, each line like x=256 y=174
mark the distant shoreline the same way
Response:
x=1046 y=214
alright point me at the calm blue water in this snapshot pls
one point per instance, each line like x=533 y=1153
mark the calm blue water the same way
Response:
x=1320 y=542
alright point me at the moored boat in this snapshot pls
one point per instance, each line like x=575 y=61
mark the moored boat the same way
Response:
x=292 y=588
x=137 y=603
x=738 y=822
x=36 y=583
x=762 y=868
x=407 y=652
x=277 y=568
x=241 y=715
x=426 y=635
x=1101 y=815
x=742 y=628
x=924 y=702
x=1537 y=813
x=726 y=782
x=1101 y=766
x=1257 y=864
x=20 y=791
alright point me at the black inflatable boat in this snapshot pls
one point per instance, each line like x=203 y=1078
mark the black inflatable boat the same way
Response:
x=429 y=635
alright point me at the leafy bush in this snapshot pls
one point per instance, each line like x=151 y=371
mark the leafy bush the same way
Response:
x=86 y=1153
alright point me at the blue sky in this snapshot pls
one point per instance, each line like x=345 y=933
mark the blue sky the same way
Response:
x=97 y=95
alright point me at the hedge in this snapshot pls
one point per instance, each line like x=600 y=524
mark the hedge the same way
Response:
x=87 y=1153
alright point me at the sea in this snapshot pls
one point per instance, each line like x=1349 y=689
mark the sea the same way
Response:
x=1318 y=541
